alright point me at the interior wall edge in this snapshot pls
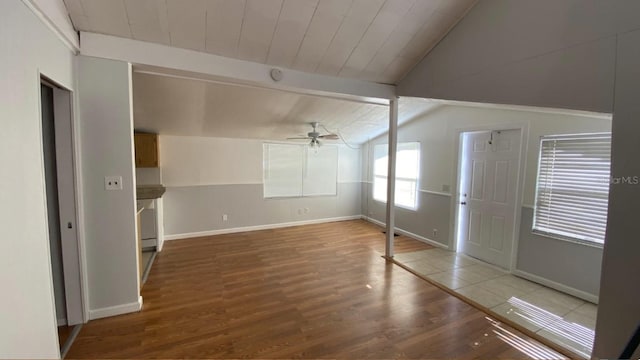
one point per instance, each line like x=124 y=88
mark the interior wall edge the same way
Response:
x=67 y=35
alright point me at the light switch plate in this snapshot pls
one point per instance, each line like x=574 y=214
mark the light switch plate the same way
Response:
x=113 y=182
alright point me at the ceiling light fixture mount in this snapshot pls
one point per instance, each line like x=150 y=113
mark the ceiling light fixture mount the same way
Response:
x=276 y=74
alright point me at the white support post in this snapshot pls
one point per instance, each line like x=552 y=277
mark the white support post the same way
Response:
x=391 y=176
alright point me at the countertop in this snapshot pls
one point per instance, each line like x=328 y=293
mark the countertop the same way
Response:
x=144 y=192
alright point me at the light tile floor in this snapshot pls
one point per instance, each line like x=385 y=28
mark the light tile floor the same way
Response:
x=561 y=318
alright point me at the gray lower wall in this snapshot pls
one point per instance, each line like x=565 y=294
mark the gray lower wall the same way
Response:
x=567 y=263
x=192 y=209
x=432 y=213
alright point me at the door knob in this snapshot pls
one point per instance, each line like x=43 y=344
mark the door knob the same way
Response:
x=463 y=203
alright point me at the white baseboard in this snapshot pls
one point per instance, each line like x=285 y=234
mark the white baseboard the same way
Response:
x=116 y=310
x=554 y=285
x=258 y=227
x=409 y=234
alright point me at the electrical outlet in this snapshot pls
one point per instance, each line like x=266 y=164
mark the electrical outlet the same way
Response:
x=225 y=217
x=113 y=182
x=435 y=233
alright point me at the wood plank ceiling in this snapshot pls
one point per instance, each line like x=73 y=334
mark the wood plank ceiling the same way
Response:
x=188 y=107
x=373 y=40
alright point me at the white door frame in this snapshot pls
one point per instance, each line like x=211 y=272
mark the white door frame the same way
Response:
x=64 y=96
x=524 y=137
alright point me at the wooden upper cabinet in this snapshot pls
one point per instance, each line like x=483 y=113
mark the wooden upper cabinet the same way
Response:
x=146 y=146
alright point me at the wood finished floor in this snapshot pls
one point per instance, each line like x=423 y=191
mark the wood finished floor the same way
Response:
x=314 y=291
x=63 y=334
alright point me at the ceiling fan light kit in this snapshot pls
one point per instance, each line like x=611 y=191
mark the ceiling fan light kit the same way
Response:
x=315 y=143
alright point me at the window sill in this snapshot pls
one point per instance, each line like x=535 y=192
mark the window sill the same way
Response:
x=568 y=239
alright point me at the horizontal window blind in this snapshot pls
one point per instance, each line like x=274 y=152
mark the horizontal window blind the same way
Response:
x=294 y=170
x=573 y=186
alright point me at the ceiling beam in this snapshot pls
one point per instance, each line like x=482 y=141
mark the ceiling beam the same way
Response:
x=183 y=62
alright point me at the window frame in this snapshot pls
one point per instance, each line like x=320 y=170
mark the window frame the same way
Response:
x=416 y=187
x=560 y=235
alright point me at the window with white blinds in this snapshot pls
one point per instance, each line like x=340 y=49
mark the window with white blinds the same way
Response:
x=295 y=170
x=573 y=186
x=407 y=174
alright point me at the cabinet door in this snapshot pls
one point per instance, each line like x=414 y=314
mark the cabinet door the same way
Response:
x=146 y=146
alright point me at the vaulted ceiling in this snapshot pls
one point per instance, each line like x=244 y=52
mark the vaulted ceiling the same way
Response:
x=179 y=106
x=373 y=40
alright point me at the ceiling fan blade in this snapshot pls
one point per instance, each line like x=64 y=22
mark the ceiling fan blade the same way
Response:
x=298 y=138
x=330 y=136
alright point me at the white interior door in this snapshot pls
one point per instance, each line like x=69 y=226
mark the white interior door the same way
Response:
x=486 y=208
x=58 y=134
x=67 y=205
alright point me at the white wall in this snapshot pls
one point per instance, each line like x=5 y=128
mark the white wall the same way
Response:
x=28 y=47
x=192 y=161
x=148 y=176
x=542 y=53
x=58 y=18
x=104 y=91
x=208 y=177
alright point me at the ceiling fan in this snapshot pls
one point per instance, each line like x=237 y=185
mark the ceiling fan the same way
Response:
x=315 y=136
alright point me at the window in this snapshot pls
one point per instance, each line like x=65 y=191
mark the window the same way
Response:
x=573 y=186
x=407 y=173
x=292 y=170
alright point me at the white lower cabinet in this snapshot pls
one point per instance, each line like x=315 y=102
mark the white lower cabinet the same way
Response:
x=149 y=223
